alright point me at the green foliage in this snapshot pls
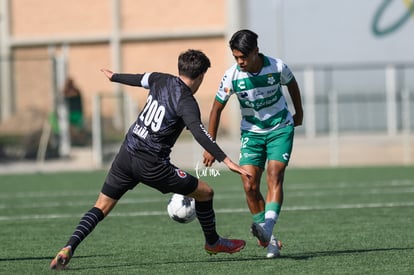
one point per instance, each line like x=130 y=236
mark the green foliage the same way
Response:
x=333 y=221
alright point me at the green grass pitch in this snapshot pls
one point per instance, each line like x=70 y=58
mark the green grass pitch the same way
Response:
x=333 y=221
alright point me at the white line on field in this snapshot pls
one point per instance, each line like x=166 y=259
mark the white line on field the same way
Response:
x=232 y=210
x=385 y=186
x=28 y=204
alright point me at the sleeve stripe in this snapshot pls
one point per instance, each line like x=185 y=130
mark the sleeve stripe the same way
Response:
x=144 y=80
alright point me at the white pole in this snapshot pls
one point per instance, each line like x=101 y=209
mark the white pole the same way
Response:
x=130 y=111
x=116 y=60
x=6 y=95
x=333 y=128
x=97 y=153
x=309 y=94
x=44 y=141
x=237 y=12
x=406 y=125
x=61 y=108
x=391 y=96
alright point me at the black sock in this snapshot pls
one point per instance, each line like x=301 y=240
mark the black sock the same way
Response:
x=85 y=226
x=207 y=219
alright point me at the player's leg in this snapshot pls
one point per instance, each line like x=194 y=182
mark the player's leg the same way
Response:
x=88 y=222
x=116 y=184
x=263 y=230
x=279 y=149
x=256 y=204
x=254 y=197
x=203 y=196
x=253 y=158
x=169 y=179
x=274 y=201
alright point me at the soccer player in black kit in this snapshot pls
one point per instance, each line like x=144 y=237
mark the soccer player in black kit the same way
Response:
x=144 y=154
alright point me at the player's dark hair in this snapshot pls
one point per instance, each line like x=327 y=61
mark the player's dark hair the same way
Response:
x=244 y=41
x=193 y=63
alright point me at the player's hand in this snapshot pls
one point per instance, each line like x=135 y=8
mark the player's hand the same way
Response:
x=298 y=119
x=236 y=168
x=107 y=73
x=208 y=159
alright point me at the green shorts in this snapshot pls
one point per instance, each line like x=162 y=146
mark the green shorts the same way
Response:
x=256 y=148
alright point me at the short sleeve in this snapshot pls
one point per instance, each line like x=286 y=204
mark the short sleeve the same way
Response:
x=286 y=76
x=226 y=88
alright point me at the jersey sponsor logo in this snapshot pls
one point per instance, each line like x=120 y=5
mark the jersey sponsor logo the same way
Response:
x=181 y=173
x=241 y=85
x=259 y=93
x=222 y=81
x=271 y=80
x=262 y=103
x=249 y=155
x=243 y=95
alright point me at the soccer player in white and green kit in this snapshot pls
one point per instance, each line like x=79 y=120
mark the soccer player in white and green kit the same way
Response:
x=267 y=128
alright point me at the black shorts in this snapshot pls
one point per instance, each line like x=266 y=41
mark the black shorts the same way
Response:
x=128 y=170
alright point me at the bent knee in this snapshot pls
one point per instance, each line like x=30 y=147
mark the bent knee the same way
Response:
x=208 y=193
x=251 y=187
x=203 y=192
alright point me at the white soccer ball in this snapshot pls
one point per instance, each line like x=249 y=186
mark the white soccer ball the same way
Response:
x=181 y=208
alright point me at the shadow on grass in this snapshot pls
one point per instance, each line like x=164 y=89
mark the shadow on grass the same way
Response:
x=217 y=259
x=212 y=259
x=309 y=255
x=16 y=259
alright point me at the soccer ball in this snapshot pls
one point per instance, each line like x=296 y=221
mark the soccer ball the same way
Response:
x=181 y=208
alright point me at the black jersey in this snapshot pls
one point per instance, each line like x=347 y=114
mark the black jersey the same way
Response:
x=170 y=107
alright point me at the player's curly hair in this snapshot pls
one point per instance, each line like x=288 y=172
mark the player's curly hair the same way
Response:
x=244 y=41
x=193 y=63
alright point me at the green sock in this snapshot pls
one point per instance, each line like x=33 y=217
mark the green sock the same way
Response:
x=271 y=215
x=259 y=217
x=273 y=206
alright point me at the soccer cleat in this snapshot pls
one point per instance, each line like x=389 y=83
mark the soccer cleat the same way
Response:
x=225 y=246
x=62 y=258
x=260 y=233
x=259 y=243
x=273 y=249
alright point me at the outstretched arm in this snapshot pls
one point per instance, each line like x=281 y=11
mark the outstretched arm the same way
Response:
x=107 y=73
x=128 y=79
x=236 y=168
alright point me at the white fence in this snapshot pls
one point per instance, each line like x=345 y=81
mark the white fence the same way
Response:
x=357 y=114
x=357 y=98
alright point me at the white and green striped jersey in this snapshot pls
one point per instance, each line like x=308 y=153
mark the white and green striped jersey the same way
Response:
x=263 y=106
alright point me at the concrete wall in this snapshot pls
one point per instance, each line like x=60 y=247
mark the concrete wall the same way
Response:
x=125 y=35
